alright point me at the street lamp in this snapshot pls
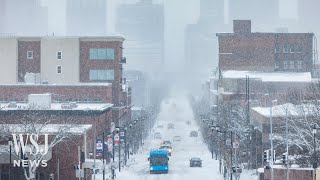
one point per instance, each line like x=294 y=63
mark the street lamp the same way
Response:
x=271 y=139
x=315 y=165
x=10 y=145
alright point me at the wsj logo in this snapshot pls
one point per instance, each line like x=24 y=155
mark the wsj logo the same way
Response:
x=30 y=148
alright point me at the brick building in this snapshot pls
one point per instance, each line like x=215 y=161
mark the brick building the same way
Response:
x=86 y=71
x=84 y=118
x=255 y=51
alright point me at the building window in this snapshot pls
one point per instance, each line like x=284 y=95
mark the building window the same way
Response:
x=59 y=55
x=276 y=66
x=298 y=49
x=291 y=49
x=286 y=48
x=299 y=65
x=285 y=65
x=291 y=64
x=29 y=54
x=101 y=53
x=101 y=75
x=59 y=69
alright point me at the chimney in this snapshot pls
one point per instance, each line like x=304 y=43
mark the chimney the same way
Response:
x=242 y=26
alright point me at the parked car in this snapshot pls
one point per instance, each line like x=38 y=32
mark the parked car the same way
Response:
x=170 y=126
x=176 y=138
x=157 y=135
x=193 y=134
x=167 y=142
x=195 y=162
x=168 y=148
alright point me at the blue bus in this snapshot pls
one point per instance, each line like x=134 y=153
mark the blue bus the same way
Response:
x=158 y=161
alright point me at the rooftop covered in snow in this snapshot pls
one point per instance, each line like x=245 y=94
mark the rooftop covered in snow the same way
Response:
x=269 y=76
x=59 y=107
x=288 y=108
x=75 y=129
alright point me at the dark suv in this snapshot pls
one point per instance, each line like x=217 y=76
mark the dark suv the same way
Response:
x=195 y=162
x=193 y=134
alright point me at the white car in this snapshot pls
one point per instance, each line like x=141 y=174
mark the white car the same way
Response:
x=176 y=138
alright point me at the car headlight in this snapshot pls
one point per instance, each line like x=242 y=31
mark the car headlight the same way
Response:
x=165 y=168
x=169 y=150
x=151 y=168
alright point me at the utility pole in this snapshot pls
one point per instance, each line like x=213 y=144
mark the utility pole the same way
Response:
x=287 y=163
x=231 y=155
x=103 y=154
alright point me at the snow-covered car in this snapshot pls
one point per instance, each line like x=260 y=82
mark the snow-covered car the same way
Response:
x=193 y=134
x=176 y=138
x=157 y=135
x=166 y=147
x=170 y=126
x=195 y=162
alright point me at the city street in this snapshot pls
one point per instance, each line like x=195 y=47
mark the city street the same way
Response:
x=176 y=110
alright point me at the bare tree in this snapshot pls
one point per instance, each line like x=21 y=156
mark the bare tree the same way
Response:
x=37 y=122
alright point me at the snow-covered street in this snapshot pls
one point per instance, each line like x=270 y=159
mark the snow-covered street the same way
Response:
x=176 y=110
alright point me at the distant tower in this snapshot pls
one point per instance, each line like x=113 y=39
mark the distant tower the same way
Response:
x=142 y=24
x=86 y=17
x=212 y=11
x=260 y=12
x=26 y=17
x=2 y=16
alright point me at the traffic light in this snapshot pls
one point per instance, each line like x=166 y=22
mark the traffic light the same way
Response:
x=284 y=158
x=266 y=156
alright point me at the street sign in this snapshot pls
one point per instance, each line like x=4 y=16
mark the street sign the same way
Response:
x=99 y=147
x=116 y=139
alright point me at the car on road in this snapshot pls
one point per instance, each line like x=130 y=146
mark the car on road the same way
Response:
x=166 y=147
x=157 y=135
x=195 y=162
x=170 y=126
x=166 y=142
x=193 y=134
x=176 y=138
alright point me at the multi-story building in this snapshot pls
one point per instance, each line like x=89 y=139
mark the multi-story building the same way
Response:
x=63 y=60
x=142 y=24
x=254 y=51
x=200 y=41
x=86 y=17
x=29 y=17
x=83 y=71
x=138 y=82
x=2 y=16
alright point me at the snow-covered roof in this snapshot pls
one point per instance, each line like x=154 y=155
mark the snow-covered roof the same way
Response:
x=58 y=106
x=136 y=108
x=75 y=129
x=290 y=109
x=269 y=76
x=76 y=84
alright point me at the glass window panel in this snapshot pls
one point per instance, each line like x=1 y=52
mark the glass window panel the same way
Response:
x=93 y=53
x=110 y=53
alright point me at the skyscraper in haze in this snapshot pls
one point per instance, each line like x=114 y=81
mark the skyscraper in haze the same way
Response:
x=142 y=24
x=86 y=17
x=263 y=13
x=200 y=40
x=2 y=16
x=309 y=12
x=25 y=17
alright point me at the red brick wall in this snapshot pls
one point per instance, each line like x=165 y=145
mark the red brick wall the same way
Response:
x=86 y=64
x=294 y=174
x=256 y=51
x=28 y=65
x=20 y=92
